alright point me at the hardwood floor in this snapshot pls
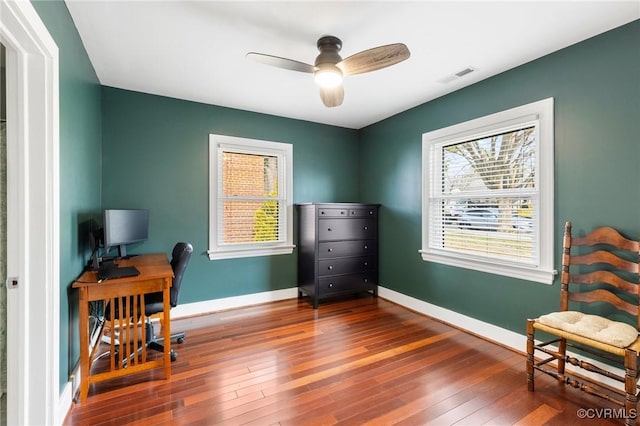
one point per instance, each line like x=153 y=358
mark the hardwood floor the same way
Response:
x=361 y=361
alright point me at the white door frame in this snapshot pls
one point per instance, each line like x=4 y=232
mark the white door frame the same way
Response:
x=33 y=308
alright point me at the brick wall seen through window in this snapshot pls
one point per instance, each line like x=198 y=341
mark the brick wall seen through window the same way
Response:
x=250 y=191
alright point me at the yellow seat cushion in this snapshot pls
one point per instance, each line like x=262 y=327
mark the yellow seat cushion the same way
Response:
x=593 y=327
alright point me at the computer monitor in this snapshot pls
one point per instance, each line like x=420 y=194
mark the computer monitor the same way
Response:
x=122 y=227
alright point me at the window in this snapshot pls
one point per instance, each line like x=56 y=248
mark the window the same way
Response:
x=488 y=193
x=251 y=186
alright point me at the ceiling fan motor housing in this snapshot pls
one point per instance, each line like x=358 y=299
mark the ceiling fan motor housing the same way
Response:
x=329 y=46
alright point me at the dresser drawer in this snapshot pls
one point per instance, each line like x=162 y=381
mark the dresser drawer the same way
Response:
x=345 y=284
x=333 y=249
x=363 y=212
x=333 y=213
x=347 y=229
x=347 y=265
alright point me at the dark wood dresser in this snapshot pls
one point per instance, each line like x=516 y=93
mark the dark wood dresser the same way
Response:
x=337 y=250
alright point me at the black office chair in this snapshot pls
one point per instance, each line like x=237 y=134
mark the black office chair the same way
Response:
x=154 y=302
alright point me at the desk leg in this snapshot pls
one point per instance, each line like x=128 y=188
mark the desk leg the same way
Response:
x=166 y=329
x=84 y=344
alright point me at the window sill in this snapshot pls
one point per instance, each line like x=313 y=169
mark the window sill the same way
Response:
x=509 y=270
x=247 y=252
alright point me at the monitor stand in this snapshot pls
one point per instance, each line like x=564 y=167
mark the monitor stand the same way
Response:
x=122 y=251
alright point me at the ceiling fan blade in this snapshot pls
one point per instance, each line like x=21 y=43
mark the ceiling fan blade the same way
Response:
x=279 y=62
x=374 y=59
x=332 y=96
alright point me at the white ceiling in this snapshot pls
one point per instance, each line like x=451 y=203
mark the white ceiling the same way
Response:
x=195 y=50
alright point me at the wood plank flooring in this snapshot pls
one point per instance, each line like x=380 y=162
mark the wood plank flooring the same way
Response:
x=360 y=361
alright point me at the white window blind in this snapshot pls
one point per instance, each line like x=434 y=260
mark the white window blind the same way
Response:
x=483 y=196
x=488 y=193
x=249 y=203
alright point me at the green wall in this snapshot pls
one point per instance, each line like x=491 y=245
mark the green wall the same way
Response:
x=80 y=145
x=155 y=156
x=596 y=87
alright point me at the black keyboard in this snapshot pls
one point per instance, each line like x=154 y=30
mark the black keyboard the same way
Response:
x=111 y=271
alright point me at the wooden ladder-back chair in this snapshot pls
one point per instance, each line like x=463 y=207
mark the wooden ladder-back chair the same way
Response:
x=600 y=270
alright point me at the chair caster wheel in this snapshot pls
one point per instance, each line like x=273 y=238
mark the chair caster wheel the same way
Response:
x=180 y=340
x=174 y=356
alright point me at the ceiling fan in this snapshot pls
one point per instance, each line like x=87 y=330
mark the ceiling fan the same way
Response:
x=329 y=67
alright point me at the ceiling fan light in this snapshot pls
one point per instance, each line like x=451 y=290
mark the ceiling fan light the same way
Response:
x=328 y=75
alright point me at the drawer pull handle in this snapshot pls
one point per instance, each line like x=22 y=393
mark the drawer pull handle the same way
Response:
x=366 y=247
x=370 y=212
x=366 y=280
x=365 y=228
x=330 y=250
x=342 y=212
x=366 y=263
x=330 y=267
x=330 y=285
x=329 y=229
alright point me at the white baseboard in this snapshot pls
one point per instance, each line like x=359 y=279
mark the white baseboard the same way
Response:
x=488 y=331
x=209 y=306
x=64 y=403
x=499 y=335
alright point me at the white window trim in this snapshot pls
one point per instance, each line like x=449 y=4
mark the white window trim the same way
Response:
x=542 y=113
x=253 y=146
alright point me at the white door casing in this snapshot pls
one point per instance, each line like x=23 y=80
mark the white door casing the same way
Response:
x=33 y=241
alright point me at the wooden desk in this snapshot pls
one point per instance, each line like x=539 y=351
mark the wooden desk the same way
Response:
x=125 y=295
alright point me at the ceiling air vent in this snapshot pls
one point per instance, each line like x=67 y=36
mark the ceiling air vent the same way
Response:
x=465 y=71
x=457 y=75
